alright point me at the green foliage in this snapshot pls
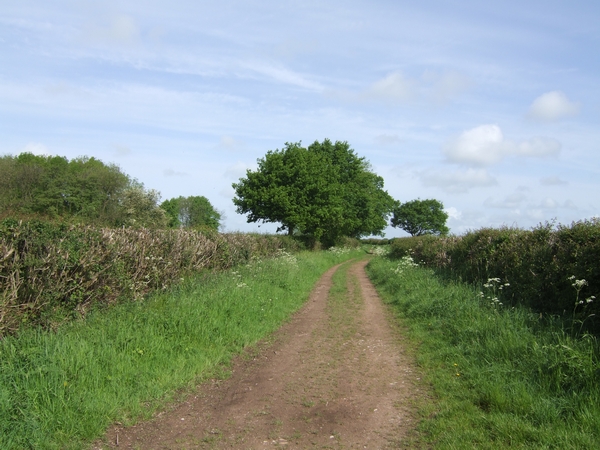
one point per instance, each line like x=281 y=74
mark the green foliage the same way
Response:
x=377 y=241
x=52 y=272
x=63 y=389
x=539 y=264
x=51 y=186
x=403 y=246
x=502 y=377
x=324 y=191
x=191 y=212
x=140 y=208
x=85 y=190
x=420 y=217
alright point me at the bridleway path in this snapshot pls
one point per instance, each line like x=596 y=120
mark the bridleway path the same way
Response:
x=335 y=376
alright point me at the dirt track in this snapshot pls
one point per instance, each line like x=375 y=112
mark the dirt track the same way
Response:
x=335 y=376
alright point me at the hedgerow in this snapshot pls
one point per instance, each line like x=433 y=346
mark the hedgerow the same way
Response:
x=552 y=269
x=51 y=272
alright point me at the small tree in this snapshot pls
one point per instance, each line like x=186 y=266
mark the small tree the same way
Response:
x=419 y=217
x=191 y=212
x=140 y=208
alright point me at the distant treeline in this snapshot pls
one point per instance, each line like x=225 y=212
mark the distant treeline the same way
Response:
x=86 y=190
x=553 y=270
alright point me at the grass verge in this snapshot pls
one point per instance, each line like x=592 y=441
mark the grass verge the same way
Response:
x=62 y=390
x=502 y=377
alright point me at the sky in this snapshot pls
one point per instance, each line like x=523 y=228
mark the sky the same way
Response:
x=492 y=108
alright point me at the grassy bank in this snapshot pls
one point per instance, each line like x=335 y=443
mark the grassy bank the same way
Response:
x=501 y=376
x=61 y=390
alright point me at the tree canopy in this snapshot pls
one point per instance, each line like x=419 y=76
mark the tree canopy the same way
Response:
x=83 y=189
x=419 y=217
x=191 y=212
x=325 y=191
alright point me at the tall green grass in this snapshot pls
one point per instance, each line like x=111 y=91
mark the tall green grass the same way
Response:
x=502 y=377
x=63 y=389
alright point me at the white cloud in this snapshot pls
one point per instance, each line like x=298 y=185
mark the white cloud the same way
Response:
x=122 y=150
x=290 y=48
x=387 y=139
x=121 y=30
x=453 y=213
x=512 y=201
x=548 y=203
x=447 y=85
x=457 y=182
x=282 y=75
x=538 y=147
x=535 y=214
x=552 y=181
x=36 y=148
x=553 y=106
x=229 y=143
x=227 y=192
x=395 y=88
x=485 y=145
x=482 y=145
x=173 y=173
x=430 y=89
x=551 y=204
x=237 y=171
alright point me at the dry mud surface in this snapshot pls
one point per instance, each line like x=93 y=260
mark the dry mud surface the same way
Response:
x=335 y=376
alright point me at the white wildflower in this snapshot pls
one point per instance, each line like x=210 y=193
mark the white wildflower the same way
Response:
x=379 y=251
x=339 y=250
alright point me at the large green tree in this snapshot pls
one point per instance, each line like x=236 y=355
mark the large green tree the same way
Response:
x=419 y=217
x=325 y=191
x=191 y=212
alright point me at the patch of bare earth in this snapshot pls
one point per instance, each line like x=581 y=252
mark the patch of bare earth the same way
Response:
x=335 y=376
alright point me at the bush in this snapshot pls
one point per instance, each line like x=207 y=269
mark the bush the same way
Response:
x=347 y=242
x=401 y=247
x=376 y=241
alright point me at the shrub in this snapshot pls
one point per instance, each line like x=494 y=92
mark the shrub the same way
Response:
x=376 y=241
x=401 y=247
